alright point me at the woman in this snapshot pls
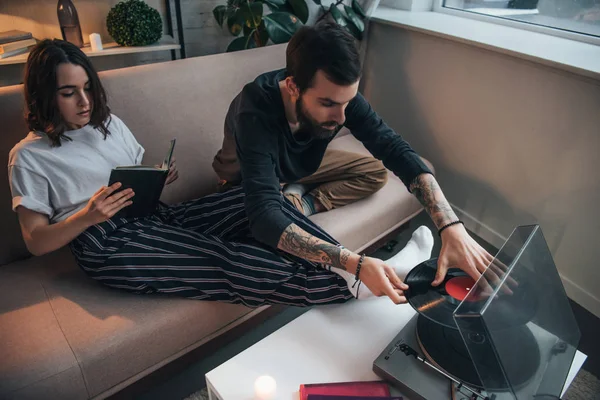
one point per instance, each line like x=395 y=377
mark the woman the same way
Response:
x=201 y=249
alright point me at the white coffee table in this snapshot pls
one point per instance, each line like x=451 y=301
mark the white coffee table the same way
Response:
x=335 y=343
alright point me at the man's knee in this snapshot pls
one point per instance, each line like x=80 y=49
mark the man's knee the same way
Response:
x=375 y=176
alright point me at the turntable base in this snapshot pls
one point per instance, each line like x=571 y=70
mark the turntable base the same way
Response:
x=414 y=379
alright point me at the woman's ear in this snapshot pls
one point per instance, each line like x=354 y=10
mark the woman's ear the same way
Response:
x=291 y=87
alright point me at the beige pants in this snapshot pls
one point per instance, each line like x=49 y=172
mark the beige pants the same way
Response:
x=343 y=178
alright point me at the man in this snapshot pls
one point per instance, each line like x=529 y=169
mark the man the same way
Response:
x=277 y=131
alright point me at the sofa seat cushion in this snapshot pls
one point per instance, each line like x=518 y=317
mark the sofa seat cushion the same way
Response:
x=358 y=225
x=54 y=317
x=33 y=347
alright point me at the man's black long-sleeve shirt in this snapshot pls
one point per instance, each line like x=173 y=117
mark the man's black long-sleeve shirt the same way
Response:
x=260 y=150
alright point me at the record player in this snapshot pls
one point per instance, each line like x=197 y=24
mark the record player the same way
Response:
x=510 y=335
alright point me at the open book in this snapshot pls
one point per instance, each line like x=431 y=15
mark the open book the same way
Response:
x=147 y=183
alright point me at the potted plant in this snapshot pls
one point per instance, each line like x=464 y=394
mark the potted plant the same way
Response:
x=134 y=23
x=247 y=17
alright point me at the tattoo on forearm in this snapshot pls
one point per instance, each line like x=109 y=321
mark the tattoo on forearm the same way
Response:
x=300 y=243
x=428 y=192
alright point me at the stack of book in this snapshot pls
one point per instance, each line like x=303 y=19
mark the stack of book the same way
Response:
x=15 y=42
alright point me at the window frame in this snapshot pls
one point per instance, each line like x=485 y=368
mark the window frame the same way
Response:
x=438 y=6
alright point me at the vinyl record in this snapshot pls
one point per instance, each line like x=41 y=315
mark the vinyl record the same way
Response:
x=446 y=349
x=436 y=303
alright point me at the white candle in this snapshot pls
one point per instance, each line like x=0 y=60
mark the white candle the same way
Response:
x=264 y=387
x=95 y=42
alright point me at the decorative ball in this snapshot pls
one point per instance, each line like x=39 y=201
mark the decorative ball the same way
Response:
x=134 y=23
x=265 y=387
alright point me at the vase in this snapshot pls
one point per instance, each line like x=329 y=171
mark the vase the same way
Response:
x=69 y=22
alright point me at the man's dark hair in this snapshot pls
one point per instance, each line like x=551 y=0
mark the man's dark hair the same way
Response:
x=325 y=46
x=40 y=86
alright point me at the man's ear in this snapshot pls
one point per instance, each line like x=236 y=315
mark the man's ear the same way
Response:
x=291 y=87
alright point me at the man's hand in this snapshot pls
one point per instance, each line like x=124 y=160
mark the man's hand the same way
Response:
x=459 y=250
x=381 y=279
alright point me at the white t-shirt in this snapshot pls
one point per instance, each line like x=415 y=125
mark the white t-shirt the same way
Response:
x=59 y=181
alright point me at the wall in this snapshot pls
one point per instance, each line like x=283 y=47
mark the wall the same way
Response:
x=202 y=35
x=39 y=17
x=513 y=142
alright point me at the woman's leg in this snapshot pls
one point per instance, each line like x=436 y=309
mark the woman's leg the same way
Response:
x=148 y=256
x=223 y=215
x=220 y=214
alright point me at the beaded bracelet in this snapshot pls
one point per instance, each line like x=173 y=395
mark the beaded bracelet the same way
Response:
x=448 y=225
x=362 y=258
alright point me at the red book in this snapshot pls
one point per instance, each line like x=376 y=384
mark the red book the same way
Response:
x=368 y=389
x=331 y=397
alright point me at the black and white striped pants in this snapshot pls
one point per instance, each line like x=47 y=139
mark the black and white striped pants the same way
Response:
x=202 y=249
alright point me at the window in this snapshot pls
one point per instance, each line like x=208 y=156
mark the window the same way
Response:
x=574 y=19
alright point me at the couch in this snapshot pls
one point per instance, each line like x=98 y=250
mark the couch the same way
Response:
x=65 y=336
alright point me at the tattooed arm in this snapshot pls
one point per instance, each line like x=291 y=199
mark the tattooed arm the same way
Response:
x=300 y=243
x=428 y=192
x=459 y=250
x=380 y=278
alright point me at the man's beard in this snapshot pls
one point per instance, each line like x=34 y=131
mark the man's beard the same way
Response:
x=310 y=128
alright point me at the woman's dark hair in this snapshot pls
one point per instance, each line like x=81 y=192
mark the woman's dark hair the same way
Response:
x=41 y=86
x=325 y=46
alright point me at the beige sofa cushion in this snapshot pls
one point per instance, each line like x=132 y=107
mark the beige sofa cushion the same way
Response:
x=12 y=129
x=54 y=318
x=33 y=346
x=361 y=224
x=65 y=385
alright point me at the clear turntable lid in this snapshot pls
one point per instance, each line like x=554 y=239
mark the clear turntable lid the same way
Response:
x=517 y=323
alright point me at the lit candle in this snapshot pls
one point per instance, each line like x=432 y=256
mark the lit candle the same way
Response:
x=264 y=387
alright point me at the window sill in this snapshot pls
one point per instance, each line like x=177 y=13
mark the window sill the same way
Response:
x=573 y=56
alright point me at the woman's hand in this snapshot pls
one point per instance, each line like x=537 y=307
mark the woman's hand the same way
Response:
x=173 y=173
x=104 y=204
x=382 y=280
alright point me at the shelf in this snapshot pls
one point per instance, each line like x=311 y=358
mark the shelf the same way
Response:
x=110 y=49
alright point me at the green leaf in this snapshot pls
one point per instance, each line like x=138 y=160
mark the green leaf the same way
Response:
x=275 y=6
x=252 y=10
x=263 y=35
x=354 y=30
x=300 y=9
x=235 y=22
x=247 y=30
x=219 y=13
x=358 y=9
x=354 y=18
x=337 y=15
x=241 y=43
x=317 y=2
x=281 y=26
